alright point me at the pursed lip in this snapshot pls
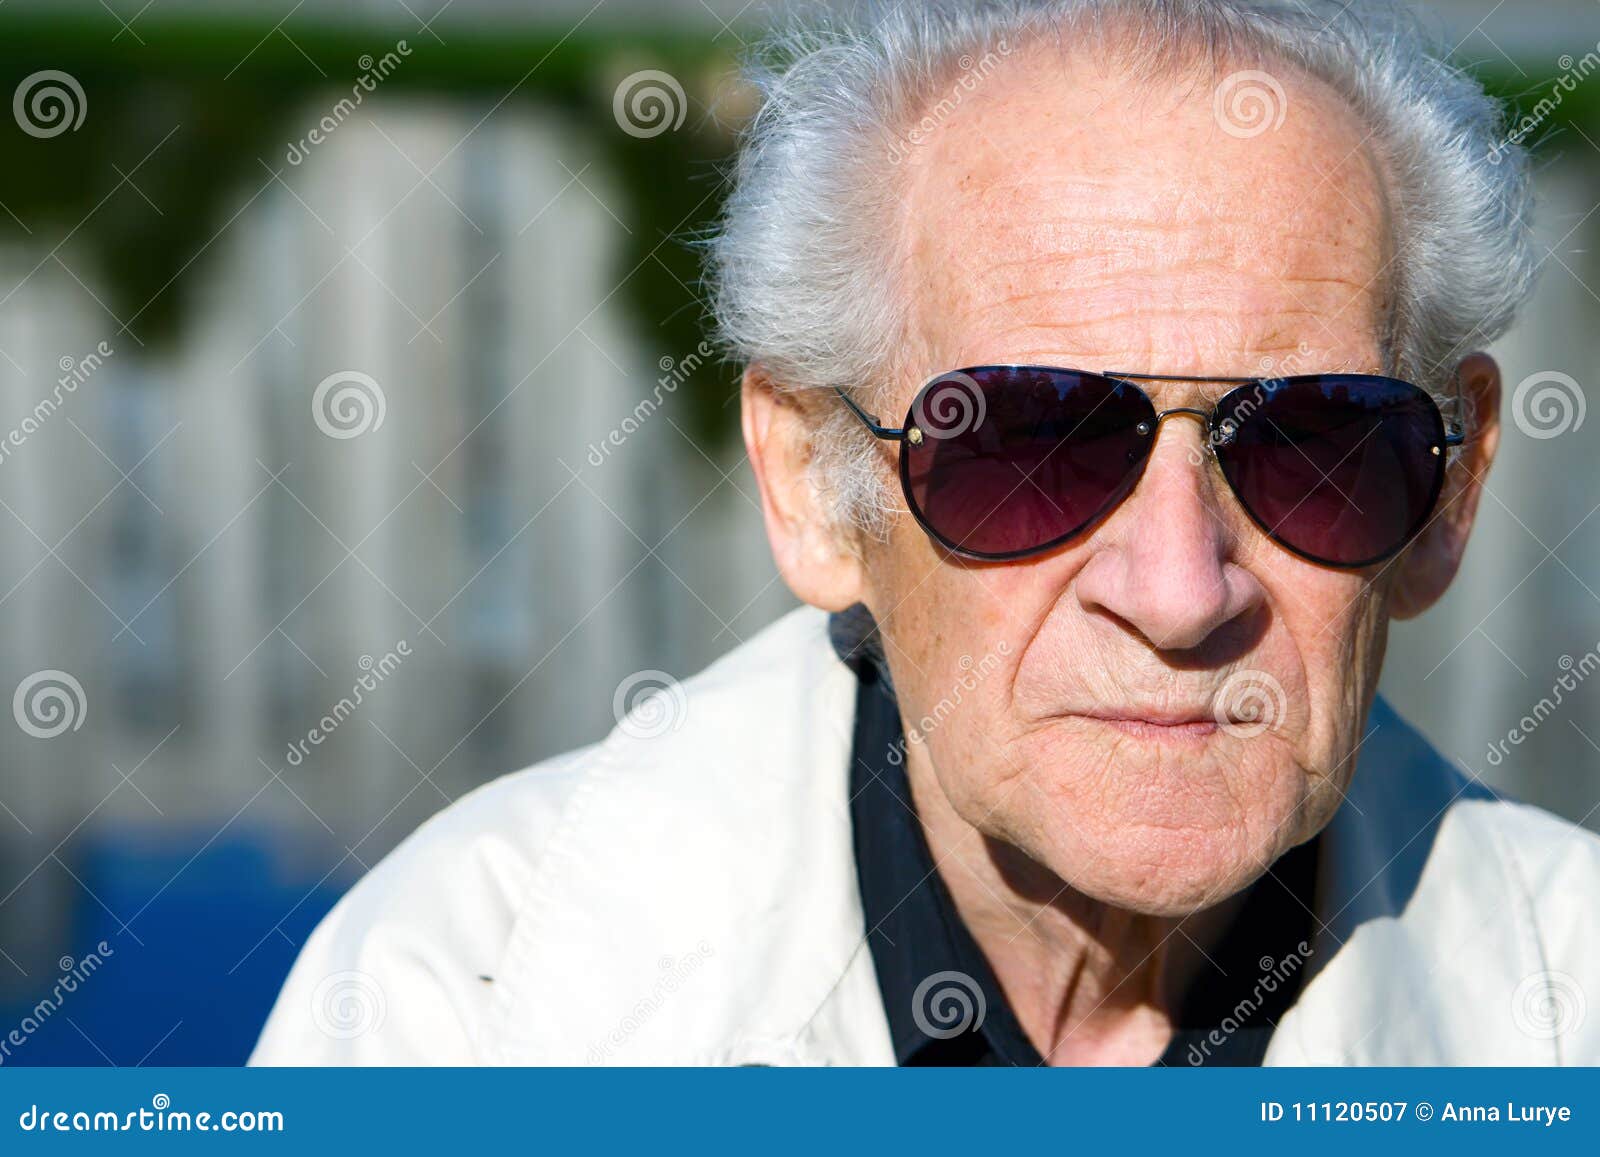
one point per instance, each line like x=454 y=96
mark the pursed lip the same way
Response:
x=1155 y=724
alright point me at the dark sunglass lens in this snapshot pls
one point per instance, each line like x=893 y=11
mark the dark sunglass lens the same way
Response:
x=1340 y=468
x=1000 y=461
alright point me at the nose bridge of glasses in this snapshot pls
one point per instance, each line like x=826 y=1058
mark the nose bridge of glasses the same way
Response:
x=1204 y=417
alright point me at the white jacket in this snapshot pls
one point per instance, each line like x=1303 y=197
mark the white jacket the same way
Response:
x=691 y=898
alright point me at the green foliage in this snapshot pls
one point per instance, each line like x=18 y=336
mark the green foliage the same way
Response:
x=237 y=98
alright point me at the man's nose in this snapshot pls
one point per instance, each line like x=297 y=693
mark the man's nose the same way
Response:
x=1167 y=565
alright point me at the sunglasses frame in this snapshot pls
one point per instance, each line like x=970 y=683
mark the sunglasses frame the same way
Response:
x=1451 y=436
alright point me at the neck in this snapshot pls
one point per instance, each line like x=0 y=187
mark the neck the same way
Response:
x=1090 y=984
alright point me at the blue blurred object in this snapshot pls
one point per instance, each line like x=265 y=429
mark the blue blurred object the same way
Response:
x=218 y=937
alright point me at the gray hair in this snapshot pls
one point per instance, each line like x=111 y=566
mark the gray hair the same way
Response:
x=804 y=286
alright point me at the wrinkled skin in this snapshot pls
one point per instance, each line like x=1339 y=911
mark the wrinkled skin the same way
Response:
x=1082 y=798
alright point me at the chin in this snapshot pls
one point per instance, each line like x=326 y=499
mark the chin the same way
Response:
x=1162 y=832
x=1163 y=874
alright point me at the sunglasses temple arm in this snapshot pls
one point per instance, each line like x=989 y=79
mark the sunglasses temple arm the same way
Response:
x=889 y=433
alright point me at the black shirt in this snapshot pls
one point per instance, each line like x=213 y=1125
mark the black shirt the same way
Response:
x=943 y=1003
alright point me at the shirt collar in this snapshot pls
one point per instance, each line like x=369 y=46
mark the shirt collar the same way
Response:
x=942 y=1000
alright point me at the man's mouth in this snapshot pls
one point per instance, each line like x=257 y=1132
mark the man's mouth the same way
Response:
x=1168 y=726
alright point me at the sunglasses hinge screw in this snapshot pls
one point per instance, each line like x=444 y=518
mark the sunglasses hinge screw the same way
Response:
x=914 y=436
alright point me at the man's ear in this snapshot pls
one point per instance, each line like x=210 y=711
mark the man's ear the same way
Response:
x=813 y=555
x=1431 y=563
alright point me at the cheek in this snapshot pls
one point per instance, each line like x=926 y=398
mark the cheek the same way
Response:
x=940 y=619
x=954 y=645
x=953 y=677
x=1334 y=623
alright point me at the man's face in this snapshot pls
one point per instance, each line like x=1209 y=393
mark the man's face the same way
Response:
x=1068 y=214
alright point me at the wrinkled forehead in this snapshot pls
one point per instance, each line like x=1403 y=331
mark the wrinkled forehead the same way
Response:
x=1195 y=220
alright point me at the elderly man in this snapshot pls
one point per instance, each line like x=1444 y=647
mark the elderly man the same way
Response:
x=1110 y=387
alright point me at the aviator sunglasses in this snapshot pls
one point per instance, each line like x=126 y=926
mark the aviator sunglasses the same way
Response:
x=1006 y=462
